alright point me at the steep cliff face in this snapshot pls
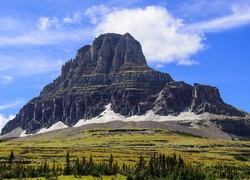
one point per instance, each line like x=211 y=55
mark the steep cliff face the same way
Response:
x=207 y=99
x=240 y=127
x=173 y=99
x=113 y=70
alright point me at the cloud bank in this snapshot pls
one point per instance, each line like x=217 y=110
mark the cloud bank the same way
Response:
x=155 y=28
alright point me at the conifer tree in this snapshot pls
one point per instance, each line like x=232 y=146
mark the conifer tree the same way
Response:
x=12 y=157
x=67 y=169
x=111 y=164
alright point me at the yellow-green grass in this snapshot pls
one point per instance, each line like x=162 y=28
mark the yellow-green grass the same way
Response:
x=116 y=177
x=126 y=147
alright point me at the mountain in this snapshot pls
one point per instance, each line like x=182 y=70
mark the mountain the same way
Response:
x=113 y=71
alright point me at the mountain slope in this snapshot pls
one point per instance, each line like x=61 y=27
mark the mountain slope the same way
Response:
x=113 y=70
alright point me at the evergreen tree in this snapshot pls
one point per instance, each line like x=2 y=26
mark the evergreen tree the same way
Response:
x=67 y=169
x=11 y=157
x=55 y=171
x=45 y=167
x=111 y=164
x=140 y=164
x=90 y=164
x=83 y=164
x=150 y=168
x=77 y=168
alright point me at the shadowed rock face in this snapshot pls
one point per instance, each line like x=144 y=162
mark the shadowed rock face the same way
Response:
x=207 y=99
x=114 y=70
x=174 y=98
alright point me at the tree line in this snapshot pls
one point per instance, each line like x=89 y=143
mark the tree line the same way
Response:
x=158 y=166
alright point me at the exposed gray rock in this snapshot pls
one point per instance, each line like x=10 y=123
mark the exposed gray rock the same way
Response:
x=239 y=127
x=207 y=99
x=174 y=98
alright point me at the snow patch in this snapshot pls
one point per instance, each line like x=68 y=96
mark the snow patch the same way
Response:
x=56 y=126
x=109 y=115
x=23 y=134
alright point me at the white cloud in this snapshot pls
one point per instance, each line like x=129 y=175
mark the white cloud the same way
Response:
x=96 y=13
x=42 y=31
x=75 y=18
x=5 y=80
x=159 y=66
x=30 y=64
x=4 y=120
x=9 y=24
x=45 y=22
x=39 y=66
x=239 y=16
x=13 y=104
x=156 y=29
x=196 y=9
x=43 y=37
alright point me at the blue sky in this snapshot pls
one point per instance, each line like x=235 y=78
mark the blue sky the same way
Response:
x=203 y=41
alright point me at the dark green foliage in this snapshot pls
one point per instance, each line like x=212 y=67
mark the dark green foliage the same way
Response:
x=12 y=157
x=67 y=169
x=157 y=167
x=240 y=157
x=166 y=167
x=129 y=177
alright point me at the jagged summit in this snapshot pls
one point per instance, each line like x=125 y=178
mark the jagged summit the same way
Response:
x=110 y=59
x=109 y=53
x=114 y=71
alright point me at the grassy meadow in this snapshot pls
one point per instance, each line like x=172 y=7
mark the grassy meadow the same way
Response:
x=126 y=145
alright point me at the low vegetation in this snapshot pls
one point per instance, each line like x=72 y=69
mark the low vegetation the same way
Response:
x=132 y=153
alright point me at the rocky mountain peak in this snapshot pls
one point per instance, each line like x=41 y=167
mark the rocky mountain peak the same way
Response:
x=113 y=70
x=109 y=53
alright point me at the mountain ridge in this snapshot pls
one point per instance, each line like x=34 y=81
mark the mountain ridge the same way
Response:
x=113 y=70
